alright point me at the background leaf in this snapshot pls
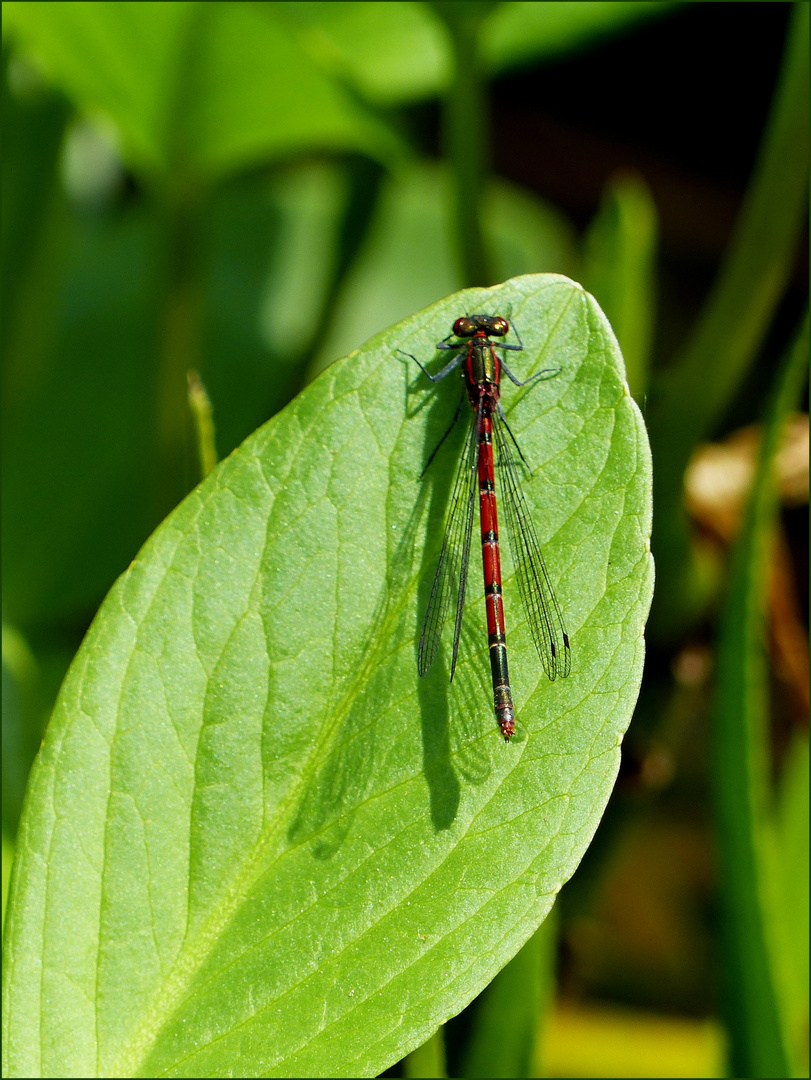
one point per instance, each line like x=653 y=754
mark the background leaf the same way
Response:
x=619 y=269
x=761 y=997
x=518 y=31
x=198 y=92
x=394 y=52
x=267 y=842
x=408 y=258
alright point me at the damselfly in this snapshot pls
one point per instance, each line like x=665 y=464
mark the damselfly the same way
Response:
x=481 y=370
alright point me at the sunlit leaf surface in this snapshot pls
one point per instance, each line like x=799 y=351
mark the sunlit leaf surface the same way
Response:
x=254 y=841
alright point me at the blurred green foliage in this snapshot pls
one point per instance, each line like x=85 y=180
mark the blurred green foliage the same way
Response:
x=761 y=984
x=236 y=189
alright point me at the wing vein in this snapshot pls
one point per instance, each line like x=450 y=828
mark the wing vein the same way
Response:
x=534 y=585
x=451 y=572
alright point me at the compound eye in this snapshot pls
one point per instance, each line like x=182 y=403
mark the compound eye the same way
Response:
x=500 y=327
x=464 y=327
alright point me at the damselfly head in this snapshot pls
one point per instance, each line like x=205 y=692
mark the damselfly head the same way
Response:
x=468 y=325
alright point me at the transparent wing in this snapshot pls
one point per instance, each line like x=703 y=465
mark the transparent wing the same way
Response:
x=451 y=573
x=537 y=595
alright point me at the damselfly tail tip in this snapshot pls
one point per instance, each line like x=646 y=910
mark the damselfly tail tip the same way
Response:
x=506 y=721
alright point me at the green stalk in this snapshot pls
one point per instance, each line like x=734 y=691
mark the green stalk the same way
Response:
x=181 y=299
x=200 y=405
x=427 y=1060
x=467 y=134
x=756 y=1017
x=511 y=1016
x=181 y=197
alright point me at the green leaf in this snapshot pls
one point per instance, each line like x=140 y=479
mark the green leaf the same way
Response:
x=394 y=52
x=791 y=893
x=33 y=133
x=254 y=841
x=758 y=1016
x=83 y=374
x=197 y=87
x=520 y=32
x=112 y=57
x=620 y=269
x=390 y=51
x=81 y=379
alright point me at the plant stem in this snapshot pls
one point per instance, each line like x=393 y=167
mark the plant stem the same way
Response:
x=741 y=766
x=200 y=405
x=466 y=138
x=427 y=1060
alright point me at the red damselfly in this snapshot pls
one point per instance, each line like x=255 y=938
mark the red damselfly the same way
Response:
x=481 y=370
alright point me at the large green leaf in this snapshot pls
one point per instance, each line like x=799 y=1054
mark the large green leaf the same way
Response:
x=254 y=841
